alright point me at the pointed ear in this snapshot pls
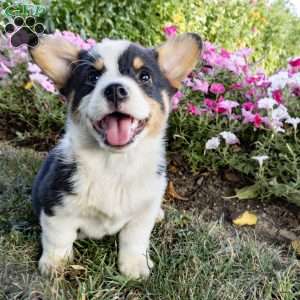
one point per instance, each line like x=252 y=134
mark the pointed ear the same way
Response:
x=54 y=55
x=178 y=56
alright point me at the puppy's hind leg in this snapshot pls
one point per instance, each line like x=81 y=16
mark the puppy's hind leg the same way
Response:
x=58 y=235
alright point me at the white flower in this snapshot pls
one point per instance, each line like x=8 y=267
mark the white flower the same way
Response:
x=229 y=137
x=266 y=103
x=260 y=159
x=280 y=113
x=294 y=81
x=293 y=121
x=278 y=81
x=212 y=143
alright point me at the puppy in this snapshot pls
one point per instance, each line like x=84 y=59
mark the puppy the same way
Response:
x=107 y=173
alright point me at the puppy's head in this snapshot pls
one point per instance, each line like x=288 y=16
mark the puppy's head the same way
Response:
x=118 y=92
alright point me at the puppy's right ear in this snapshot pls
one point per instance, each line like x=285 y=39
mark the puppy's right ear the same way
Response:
x=54 y=56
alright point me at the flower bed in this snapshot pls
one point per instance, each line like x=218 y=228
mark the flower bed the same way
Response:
x=228 y=114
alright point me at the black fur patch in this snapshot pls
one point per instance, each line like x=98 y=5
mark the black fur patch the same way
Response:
x=158 y=81
x=83 y=78
x=52 y=183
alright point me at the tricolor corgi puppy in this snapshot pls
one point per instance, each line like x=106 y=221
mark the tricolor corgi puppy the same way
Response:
x=107 y=173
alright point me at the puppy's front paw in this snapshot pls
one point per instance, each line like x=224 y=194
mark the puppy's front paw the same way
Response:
x=49 y=265
x=135 y=267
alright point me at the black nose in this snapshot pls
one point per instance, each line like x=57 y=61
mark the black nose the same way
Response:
x=115 y=93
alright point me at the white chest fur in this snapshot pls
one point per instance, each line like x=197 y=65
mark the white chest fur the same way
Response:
x=111 y=188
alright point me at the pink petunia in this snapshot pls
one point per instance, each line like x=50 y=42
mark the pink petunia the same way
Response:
x=193 y=109
x=277 y=95
x=44 y=81
x=33 y=68
x=225 y=53
x=217 y=88
x=170 y=31
x=249 y=106
x=257 y=121
x=226 y=106
x=295 y=62
x=248 y=116
x=176 y=99
x=245 y=52
x=4 y=70
x=200 y=85
x=188 y=82
x=236 y=86
x=211 y=104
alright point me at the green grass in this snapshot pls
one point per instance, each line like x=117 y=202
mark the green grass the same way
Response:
x=194 y=259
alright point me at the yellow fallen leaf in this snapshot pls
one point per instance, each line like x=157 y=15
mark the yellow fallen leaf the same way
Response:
x=28 y=85
x=296 y=246
x=245 y=218
x=172 y=193
x=78 y=267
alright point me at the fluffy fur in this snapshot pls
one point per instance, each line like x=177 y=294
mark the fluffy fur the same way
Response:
x=90 y=186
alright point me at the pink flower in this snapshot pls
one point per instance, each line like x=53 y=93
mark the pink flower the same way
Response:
x=76 y=39
x=236 y=86
x=200 y=85
x=170 y=31
x=227 y=106
x=259 y=80
x=248 y=116
x=193 y=109
x=257 y=120
x=217 y=88
x=277 y=95
x=296 y=91
x=295 y=62
x=248 y=106
x=44 y=81
x=176 y=99
x=211 y=104
x=4 y=70
x=224 y=53
x=188 y=82
x=33 y=68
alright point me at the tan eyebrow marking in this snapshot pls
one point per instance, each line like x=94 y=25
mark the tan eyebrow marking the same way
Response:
x=99 y=64
x=138 y=62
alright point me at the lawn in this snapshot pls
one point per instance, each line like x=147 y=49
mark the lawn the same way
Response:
x=194 y=259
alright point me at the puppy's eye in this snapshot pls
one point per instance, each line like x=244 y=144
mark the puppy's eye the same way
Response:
x=92 y=78
x=144 y=76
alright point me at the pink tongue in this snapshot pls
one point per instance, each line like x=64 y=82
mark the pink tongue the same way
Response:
x=118 y=130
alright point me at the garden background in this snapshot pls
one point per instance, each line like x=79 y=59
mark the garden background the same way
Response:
x=233 y=148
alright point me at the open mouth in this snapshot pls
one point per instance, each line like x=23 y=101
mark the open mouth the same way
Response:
x=118 y=129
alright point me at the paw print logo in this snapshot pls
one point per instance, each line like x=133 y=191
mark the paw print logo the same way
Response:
x=24 y=32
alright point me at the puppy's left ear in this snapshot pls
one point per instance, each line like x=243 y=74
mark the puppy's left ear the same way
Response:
x=178 y=56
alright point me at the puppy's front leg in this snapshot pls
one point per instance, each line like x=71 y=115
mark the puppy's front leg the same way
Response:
x=58 y=235
x=134 y=237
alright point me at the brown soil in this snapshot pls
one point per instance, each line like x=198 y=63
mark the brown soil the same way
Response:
x=205 y=193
